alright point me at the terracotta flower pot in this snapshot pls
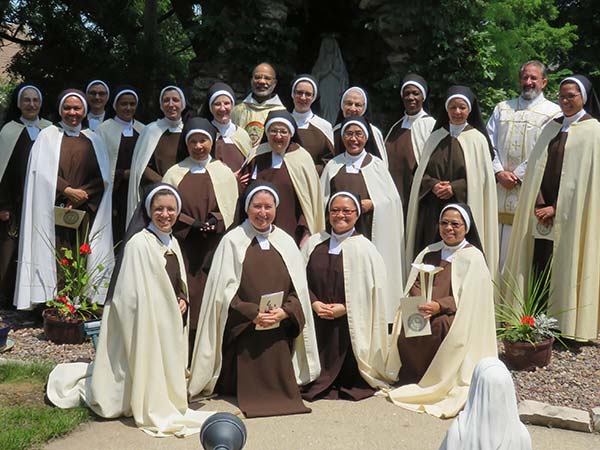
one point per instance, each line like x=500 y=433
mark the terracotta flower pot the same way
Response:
x=61 y=331
x=526 y=356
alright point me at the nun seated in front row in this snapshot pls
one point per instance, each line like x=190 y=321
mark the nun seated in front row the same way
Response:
x=435 y=370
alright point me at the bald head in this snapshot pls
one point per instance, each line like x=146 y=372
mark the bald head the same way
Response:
x=263 y=82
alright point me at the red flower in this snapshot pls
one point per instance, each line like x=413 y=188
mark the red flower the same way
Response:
x=62 y=299
x=71 y=308
x=528 y=320
x=85 y=249
x=65 y=262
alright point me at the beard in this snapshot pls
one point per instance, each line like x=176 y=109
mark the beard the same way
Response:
x=530 y=93
x=264 y=94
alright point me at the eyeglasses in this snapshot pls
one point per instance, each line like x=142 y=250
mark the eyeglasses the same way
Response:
x=454 y=225
x=568 y=97
x=356 y=134
x=344 y=212
x=279 y=132
x=301 y=94
x=349 y=104
x=262 y=77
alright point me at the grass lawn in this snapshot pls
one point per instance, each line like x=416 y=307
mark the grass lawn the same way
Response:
x=27 y=422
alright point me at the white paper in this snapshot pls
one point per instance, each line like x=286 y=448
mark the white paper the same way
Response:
x=269 y=302
x=413 y=322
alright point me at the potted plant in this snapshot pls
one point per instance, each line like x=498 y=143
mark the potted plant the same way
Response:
x=73 y=304
x=526 y=328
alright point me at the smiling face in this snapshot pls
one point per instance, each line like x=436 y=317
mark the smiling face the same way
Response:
x=532 y=81
x=221 y=109
x=279 y=137
x=199 y=146
x=261 y=210
x=412 y=97
x=458 y=111
x=126 y=107
x=30 y=104
x=72 y=111
x=303 y=96
x=97 y=96
x=171 y=104
x=263 y=81
x=452 y=227
x=164 y=212
x=570 y=99
x=342 y=214
x=354 y=139
x=353 y=104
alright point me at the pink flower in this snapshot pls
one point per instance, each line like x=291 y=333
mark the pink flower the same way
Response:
x=85 y=249
x=528 y=320
x=65 y=262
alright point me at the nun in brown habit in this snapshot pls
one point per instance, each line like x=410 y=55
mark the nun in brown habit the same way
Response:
x=233 y=145
x=346 y=280
x=282 y=160
x=456 y=230
x=120 y=134
x=156 y=149
x=209 y=194
x=406 y=138
x=68 y=167
x=17 y=136
x=258 y=355
x=316 y=133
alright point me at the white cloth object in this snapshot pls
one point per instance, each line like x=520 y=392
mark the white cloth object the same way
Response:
x=32 y=126
x=225 y=130
x=70 y=131
x=408 y=120
x=200 y=166
x=490 y=419
x=164 y=238
x=174 y=126
x=568 y=121
x=127 y=126
x=94 y=120
x=335 y=243
x=262 y=237
x=354 y=162
x=303 y=119
x=448 y=251
x=455 y=130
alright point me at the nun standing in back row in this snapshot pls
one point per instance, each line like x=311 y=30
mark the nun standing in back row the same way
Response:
x=405 y=140
x=315 y=132
x=354 y=102
x=233 y=145
x=456 y=167
x=120 y=135
x=156 y=149
x=17 y=136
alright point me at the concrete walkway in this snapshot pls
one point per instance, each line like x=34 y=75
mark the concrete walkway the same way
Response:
x=333 y=425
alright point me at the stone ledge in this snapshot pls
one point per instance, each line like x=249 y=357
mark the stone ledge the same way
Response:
x=538 y=413
x=596 y=418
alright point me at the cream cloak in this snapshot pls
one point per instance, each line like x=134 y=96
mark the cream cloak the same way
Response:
x=141 y=357
x=241 y=140
x=444 y=388
x=366 y=297
x=9 y=135
x=420 y=131
x=221 y=286
x=222 y=178
x=481 y=192
x=323 y=126
x=36 y=272
x=110 y=131
x=388 y=223
x=305 y=180
x=144 y=149
x=575 y=284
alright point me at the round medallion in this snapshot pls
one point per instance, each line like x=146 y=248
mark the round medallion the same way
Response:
x=70 y=217
x=416 y=322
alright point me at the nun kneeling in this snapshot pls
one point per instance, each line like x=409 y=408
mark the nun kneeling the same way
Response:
x=140 y=363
